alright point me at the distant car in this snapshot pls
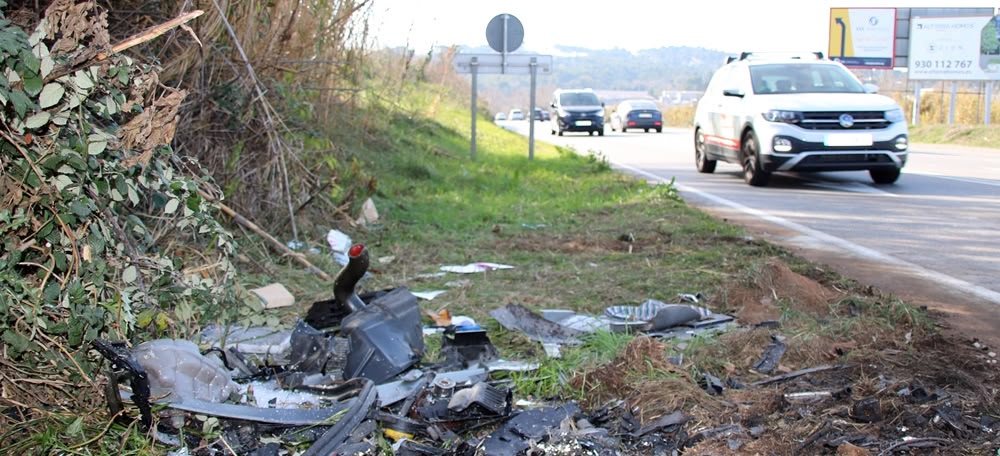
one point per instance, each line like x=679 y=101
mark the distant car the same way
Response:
x=515 y=114
x=542 y=115
x=500 y=116
x=577 y=110
x=781 y=113
x=637 y=114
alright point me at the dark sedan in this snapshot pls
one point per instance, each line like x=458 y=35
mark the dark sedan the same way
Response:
x=637 y=114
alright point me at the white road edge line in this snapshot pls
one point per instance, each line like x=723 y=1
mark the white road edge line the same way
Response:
x=864 y=252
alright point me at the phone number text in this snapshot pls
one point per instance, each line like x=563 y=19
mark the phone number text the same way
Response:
x=942 y=64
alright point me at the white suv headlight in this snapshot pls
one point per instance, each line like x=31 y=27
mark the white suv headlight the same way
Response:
x=894 y=115
x=776 y=115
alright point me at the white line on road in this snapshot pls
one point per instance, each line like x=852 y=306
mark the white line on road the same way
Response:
x=960 y=179
x=864 y=252
x=854 y=187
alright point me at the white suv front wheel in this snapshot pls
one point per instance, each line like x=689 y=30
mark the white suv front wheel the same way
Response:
x=884 y=176
x=753 y=174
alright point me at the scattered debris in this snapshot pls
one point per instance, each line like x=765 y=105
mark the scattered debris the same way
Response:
x=473 y=268
x=516 y=317
x=428 y=295
x=274 y=296
x=768 y=362
x=351 y=372
x=368 y=214
x=339 y=243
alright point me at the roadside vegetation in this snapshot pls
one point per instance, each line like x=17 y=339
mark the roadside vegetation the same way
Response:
x=135 y=241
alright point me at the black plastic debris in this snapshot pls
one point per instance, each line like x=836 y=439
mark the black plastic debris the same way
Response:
x=917 y=394
x=664 y=422
x=768 y=324
x=315 y=351
x=466 y=347
x=950 y=419
x=769 y=360
x=518 y=433
x=459 y=409
x=867 y=410
x=712 y=384
x=399 y=427
x=385 y=334
x=406 y=447
x=125 y=367
x=342 y=434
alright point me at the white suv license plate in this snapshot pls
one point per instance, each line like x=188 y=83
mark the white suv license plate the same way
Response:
x=582 y=123
x=848 y=139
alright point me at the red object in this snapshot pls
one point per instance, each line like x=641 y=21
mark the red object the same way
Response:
x=356 y=250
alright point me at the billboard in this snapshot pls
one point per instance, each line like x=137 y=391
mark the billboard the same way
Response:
x=954 y=48
x=863 y=37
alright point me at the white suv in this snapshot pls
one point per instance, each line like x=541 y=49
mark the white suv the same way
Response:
x=787 y=113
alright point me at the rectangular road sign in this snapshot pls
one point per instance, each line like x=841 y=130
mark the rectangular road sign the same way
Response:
x=954 y=48
x=502 y=64
x=862 y=37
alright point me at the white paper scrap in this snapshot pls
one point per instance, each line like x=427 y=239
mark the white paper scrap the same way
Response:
x=427 y=295
x=475 y=267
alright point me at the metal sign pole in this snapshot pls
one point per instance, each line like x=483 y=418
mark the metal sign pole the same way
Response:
x=531 y=115
x=503 y=53
x=989 y=101
x=473 y=66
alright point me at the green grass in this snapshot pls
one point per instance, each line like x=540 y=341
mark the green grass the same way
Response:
x=962 y=135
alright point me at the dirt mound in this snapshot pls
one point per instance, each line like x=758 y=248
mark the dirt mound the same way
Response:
x=776 y=288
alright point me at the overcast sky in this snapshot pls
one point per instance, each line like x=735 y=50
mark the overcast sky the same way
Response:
x=725 y=25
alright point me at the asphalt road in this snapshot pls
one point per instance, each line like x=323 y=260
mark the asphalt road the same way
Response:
x=933 y=237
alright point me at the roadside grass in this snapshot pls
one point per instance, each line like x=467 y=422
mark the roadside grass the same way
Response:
x=962 y=135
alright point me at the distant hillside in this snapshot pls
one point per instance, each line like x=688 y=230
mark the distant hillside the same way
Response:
x=650 y=71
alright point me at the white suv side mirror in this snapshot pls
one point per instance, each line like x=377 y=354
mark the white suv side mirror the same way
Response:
x=871 y=88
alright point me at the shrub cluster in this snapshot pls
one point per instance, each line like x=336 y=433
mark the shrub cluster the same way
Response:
x=103 y=235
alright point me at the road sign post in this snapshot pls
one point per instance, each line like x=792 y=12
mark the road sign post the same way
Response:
x=504 y=34
x=474 y=67
x=531 y=125
x=531 y=64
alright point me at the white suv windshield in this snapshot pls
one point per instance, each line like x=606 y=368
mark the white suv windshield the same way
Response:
x=780 y=78
x=578 y=99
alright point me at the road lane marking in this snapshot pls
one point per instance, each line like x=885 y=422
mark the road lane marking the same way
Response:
x=960 y=179
x=826 y=239
x=853 y=187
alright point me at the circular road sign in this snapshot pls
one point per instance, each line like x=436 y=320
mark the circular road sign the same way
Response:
x=501 y=41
